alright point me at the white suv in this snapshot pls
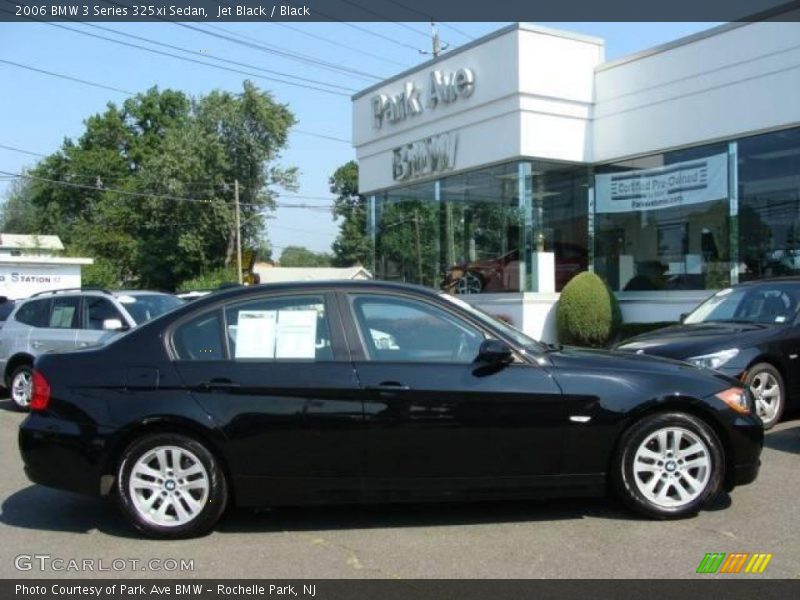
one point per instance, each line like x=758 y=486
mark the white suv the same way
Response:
x=65 y=320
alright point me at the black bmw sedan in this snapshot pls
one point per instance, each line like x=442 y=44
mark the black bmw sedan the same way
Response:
x=348 y=392
x=750 y=331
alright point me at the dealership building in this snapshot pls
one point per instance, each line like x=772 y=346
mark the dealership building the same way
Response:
x=504 y=167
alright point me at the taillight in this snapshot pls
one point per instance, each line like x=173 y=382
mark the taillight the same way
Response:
x=40 y=396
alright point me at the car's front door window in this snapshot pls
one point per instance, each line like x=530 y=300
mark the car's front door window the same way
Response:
x=407 y=330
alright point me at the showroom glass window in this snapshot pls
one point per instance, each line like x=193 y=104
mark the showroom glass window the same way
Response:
x=480 y=224
x=769 y=204
x=406 y=235
x=662 y=222
x=474 y=232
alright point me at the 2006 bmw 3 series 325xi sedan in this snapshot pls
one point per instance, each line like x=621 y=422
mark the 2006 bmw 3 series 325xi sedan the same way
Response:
x=348 y=392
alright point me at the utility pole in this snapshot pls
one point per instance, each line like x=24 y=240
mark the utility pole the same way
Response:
x=436 y=43
x=238 y=231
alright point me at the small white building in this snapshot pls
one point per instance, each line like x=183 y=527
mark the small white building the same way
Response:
x=31 y=264
x=269 y=274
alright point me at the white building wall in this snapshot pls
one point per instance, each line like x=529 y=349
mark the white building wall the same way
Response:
x=744 y=79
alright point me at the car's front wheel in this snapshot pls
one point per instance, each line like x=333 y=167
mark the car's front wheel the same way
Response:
x=171 y=486
x=668 y=465
x=21 y=387
x=766 y=385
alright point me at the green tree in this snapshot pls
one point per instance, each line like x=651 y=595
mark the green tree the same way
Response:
x=299 y=256
x=352 y=246
x=161 y=147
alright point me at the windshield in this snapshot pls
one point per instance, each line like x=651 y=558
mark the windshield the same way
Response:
x=509 y=331
x=762 y=305
x=143 y=307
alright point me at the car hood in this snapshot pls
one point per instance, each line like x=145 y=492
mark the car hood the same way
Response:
x=625 y=362
x=684 y=341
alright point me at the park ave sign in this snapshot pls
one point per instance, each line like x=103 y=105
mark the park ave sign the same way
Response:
x=443 y=88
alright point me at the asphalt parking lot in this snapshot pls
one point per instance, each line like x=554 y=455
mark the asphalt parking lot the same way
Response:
x=560 y=539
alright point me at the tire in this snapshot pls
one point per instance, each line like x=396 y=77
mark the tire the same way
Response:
x=682 y=483
x=769 y=391
x=19 y=387
x=161 y=501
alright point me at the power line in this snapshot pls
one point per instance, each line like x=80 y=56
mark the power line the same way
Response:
x=429 y=17
x=323 y=136
x=21 y=151
x=383 y=17
x=220 y=59
x=262 y=47
x=278 y=204
x=199 y=62
x=367 y=31
x=339 y=44
x=68 y=77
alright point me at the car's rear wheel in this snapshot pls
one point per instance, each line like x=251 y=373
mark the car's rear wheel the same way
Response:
x=766 y=385
x=668 y=465
x=171 y=486
x=21 y=386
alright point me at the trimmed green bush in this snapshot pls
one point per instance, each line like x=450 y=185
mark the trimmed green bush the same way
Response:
x=587 y=314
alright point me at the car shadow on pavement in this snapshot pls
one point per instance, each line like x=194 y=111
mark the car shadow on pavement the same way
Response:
x=39 y=507
x=7 y=404
x=785 y=440
x=421 y=515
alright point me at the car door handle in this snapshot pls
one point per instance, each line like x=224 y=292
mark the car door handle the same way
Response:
x=37 y=345
x=218 y=384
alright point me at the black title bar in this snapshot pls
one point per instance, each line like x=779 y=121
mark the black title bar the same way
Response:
x=399 y=10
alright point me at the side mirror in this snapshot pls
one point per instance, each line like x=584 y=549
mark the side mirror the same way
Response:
x=495 y=352
x=682 y=318
x=114 y=325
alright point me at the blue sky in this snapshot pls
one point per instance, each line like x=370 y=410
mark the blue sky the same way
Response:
x=38 y=111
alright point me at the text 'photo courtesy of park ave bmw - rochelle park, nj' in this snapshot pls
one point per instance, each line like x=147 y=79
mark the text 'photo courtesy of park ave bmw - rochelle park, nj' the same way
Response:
x=344 y=298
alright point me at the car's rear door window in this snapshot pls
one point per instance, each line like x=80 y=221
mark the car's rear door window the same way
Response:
x=279 y=328
x=200 y=338
x=65 y=313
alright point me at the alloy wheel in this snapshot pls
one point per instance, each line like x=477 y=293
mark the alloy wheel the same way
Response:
x=469 y=283
x=169 y=486
x=767 y=393
x=672 y=467
x=22 y=388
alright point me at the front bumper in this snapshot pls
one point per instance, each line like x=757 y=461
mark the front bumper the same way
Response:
x=60 y=454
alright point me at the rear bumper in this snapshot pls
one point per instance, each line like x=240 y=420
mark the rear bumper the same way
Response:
x=59 y=454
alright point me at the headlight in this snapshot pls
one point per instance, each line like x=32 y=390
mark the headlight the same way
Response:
x=715 y=360
x=736 y=398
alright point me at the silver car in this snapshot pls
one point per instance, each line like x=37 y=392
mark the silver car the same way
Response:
x=66 y=320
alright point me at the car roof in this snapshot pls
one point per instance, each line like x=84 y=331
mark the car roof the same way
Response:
x=769 y=280
x=344 y=284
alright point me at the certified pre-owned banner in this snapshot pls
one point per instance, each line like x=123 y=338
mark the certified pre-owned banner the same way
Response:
x=678 y=184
